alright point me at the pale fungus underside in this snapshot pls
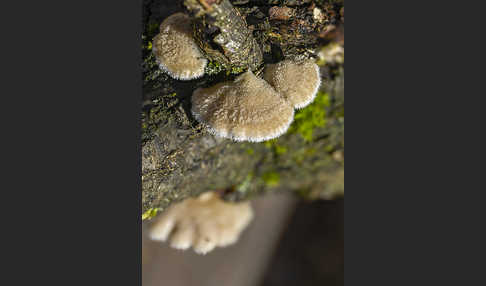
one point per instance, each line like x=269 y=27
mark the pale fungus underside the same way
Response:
x=203 y=223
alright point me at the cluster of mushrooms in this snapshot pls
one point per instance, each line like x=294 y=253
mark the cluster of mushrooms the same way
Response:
x=247 y=109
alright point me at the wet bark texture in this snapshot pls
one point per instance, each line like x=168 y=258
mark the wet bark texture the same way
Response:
x=180 y=159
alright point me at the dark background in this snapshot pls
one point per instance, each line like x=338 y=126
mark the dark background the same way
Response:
x=311 y=250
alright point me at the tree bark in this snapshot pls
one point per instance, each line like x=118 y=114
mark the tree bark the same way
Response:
x=218 y=22
x=180 y=159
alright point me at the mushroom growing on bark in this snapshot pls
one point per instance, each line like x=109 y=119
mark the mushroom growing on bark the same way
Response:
x=175 y=49
x=298 y=82
x=204 y=223
x=247 y=109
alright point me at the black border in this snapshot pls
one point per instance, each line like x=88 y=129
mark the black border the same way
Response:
x=73 y=90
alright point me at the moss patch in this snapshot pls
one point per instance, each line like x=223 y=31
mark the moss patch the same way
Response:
x=213 y=67
x=150 y=213
x=277 y=148
x=271 y=179
x=311 y=117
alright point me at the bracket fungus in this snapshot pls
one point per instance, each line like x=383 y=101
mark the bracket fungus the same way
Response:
x=175 y=49
x=204 y=223
x=298 y=82
x=247 y=109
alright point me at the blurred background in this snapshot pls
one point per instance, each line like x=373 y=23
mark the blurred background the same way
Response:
x=289 y=242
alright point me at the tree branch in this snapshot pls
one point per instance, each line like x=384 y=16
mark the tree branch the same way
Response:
x=220 y=24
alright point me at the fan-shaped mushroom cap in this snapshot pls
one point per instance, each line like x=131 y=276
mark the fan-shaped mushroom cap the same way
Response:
x=175 y=49
x=247 y=109
x=204 y=223
x=298 y=82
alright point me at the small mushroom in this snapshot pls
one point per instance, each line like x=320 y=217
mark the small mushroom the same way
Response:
x=175 y=49
x=204 y=223
x=298 y=82
x=247 y=109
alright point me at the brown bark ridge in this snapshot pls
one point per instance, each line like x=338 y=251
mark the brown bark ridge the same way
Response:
x=218 y=22
x=181 y=159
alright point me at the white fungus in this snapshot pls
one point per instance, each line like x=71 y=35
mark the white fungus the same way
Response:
x=175 y=49
x=204 y=223
x=247 y=109
x=298 y=82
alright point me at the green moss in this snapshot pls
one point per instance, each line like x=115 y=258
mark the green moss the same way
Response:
x=271 y=179
x=273 y=35
x=237 y=70
x=244 y=186
x=269 y=143
x=150 y=213
x=329 y=148
x=321 y=62
x=213 y=68
x=311 y=117
x=280 y=150
x=275 y=147
x=151 y=70
x=250 y=151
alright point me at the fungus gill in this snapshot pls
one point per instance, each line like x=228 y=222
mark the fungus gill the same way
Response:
x=298 y=82
x=175 y=49
x=247 y=109
x=204 y=223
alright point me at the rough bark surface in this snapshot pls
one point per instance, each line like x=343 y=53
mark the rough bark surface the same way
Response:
x=180 y=159
x=219 y=23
